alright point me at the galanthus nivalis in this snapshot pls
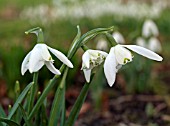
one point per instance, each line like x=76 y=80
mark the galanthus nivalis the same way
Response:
x=102 y=45
x=149 y=29
x=40 y=56
x=118 y=37
x=91 y=59
x=154 y=45
x=120 y=55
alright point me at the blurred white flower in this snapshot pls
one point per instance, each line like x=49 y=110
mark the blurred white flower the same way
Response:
x=91 y=59
x=149 y=29
x=119 y=55
x=141 y=42
x=154 y=45
x=39 y=56
x=101 y=44
x=118 y=37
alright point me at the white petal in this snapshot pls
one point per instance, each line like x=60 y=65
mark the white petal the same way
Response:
x=87 y=74
x=122 y=54
x=51 y=67
x=110 y=67
x=38 y=66
x=44 y=51
x=144 y=52
x=61 y=57
x=35 y=60
x=96 y=52
x=25 y=62
x=86 y=59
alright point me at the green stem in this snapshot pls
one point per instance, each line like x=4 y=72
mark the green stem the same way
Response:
x=38 y=31
x=58 y=101
x=78 y=104
x=84 y=47
x=44 y=94
x=33 y=91
x=111 y=39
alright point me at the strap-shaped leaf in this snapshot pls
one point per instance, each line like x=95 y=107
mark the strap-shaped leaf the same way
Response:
x=9 y=122
x=24 y=115
x=19 y=100
x=2 y=112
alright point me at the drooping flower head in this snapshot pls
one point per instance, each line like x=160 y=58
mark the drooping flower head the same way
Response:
x=40 y=56
x=91 y=59
x=154 y=45
x=102 y=44
x=118 y=37
x=149 y=29
x=120 y=55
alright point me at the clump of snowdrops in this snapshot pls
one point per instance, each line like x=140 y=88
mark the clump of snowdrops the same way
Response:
x=30 y=105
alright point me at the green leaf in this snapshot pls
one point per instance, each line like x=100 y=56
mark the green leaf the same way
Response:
x=19 y=100
x=24 y=115
x=78 y=104
x=9 y=122
x=75 y=44
x=58 y=101
x=2 y=112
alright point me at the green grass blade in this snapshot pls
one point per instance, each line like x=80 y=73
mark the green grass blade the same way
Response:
x=9 y=122
x=24 y=115
x=19 y=100
x=2 y=112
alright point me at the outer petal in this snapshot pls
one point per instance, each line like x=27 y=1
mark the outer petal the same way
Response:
x=95 y=52
x=38 y=66
x=51 y=67
x=61 y=57
x=35 y=60
x=122 y=55
x=144 y=52
x=87 y=74
x=86 y=59
x=25 y=62
x=44 y=51
x=110 y=67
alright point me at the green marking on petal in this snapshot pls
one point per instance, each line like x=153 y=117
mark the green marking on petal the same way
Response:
x=126 y=60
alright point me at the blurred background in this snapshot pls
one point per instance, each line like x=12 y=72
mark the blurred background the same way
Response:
x=141 y=94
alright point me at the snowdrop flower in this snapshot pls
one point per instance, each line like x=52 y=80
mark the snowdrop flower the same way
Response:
x=141 y=42
x=91 y=59
x=40 y=56
x=120 y=55
x=154 y=45
x=149 y=29
x=102 y=44
x=118 y=37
